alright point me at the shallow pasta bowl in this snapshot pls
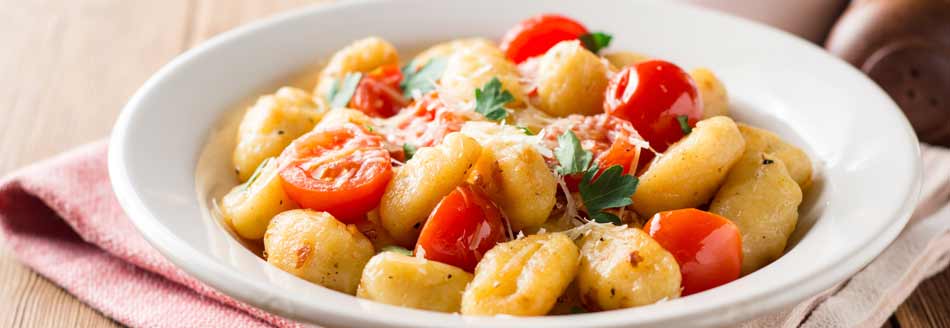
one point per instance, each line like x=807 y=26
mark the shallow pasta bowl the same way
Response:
x=865 y=153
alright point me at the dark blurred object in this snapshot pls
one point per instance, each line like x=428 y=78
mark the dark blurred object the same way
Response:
x=904 y=46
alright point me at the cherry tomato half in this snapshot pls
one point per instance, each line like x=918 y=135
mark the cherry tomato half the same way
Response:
x=428 y=121
x=342 y=170
x=378 y=93
x=535 y=35
x=613 y=141
x=707 y=247
x=461 y=228
x=651 y=95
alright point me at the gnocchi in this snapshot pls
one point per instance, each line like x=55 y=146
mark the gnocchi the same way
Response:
x=318 y=248
x=361 y=56
x=472 y=67
x=397 y=279
x=522 y=277
x=713 y=92
x=571 y=80
x=795 y=160
x=250 y=206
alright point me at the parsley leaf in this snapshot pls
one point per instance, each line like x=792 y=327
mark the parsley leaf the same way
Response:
x=424 y=79
x=526 y=131
x=570 y=155
x=397 y=249
x=341 y=91
x=490 y=99
x=604 y=217
x=595 y=41
x=409 y=150
x=684 y=124
x=611 y=189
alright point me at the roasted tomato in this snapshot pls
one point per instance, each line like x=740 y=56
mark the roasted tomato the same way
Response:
x=612 y=141
x=707 y=246
x=461 y=228
x=653 y=95
x=342 y=170
x=535 y=35
x=378 y=93
x=426 y=122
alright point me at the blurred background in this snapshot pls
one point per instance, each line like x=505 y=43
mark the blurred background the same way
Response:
x=68 y=67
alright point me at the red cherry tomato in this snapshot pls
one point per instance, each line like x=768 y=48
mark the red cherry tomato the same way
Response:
x=427 y=122
x=707 y=246
x=535 y=35
x=378 y=93
x=651 y=95
x=613 y=141
x=342 y=170
x=461 y=228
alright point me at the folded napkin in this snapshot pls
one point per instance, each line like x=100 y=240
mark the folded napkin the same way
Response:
x=60 y=217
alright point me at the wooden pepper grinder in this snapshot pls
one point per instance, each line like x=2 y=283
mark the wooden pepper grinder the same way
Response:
x=904 y=46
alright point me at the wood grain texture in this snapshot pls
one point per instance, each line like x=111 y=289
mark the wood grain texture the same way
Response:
x=69 y=66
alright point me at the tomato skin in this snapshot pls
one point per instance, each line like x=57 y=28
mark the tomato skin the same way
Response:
x=378 y=93
x=428 y=121
x=661 y=91
x=351 y=163
x=707 y=247
x=535 y=35
x=461 y=229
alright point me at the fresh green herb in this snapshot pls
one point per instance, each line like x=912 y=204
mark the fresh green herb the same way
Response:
x=370 y=128
x=490 y=99
x=397 y=249
x=341 y=91
x=257 y=173
x=604 y=217
x=611 y=189
x=526 y=131
x=570 y=155
x=409 y=150
x=577 y=309
x=596 y=41
x=424 y=79
x=684 y=124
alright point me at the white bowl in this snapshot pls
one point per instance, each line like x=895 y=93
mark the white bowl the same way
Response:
x=866 y=156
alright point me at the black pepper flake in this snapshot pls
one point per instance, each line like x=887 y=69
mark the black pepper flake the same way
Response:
x=281 y=202
x=601 y=238
x=416 y=226
x=450 y=276
x=613 y=292
x=236 y=171
x=280 y=132
x=766 y=161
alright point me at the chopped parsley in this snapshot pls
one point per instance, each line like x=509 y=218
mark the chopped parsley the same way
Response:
x=595 y=41
x=611 y=189
x=408 y=150
x=397 y=249
x=490 y=100
x=684 y=124
x=341 y=91
x=423 y=80
x=257 y=173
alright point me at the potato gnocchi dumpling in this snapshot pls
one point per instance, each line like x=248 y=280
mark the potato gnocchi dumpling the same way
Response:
x=571 y=80
x=623 y=267
x=690 y=171
x=472 y=67
x=795 y=160
x=270 y=125
x=762 y=199
x=517 y=178
x=419 y=185
x=397 y=279
x=318 y=248
x=250 y=206
x=531 y=176
x=522 y=277
x=361 y=56
x=713 y=92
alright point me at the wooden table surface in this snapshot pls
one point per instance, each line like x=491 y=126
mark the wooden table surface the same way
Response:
x=66 y=69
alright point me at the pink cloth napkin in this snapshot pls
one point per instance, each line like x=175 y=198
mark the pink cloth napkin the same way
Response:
x=60 y=217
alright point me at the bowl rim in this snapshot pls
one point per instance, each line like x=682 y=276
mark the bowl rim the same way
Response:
x=222 y=277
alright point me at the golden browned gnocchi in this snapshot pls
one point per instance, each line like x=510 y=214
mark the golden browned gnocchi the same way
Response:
x=397 y=279
x=795 y=160
x=522 y=277
x=359 y=57
x=762 y=199
x=270 y=125
x=516 y=178
x=419 y=185
x=713 y=92
x=571 y=80
x=691 y=171
x=250 y=206
x=623 y=267
x=318 y=248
